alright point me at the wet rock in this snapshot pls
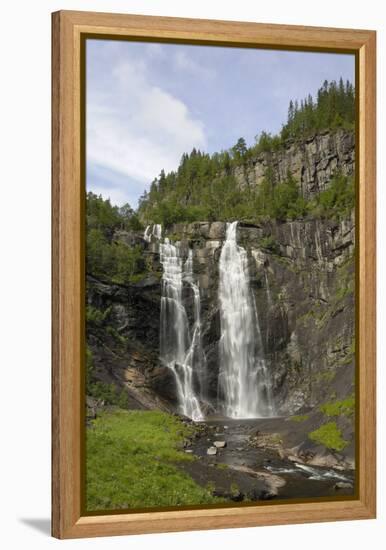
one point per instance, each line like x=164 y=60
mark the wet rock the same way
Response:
x=211 y=451
x=266 y=495
x=235 y=496
x=343 y=485
x=220 y=444
x=293 y=458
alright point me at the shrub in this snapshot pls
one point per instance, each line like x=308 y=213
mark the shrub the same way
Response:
x=338 y=408
x=330 y=436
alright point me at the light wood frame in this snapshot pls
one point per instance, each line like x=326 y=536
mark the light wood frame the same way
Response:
x=68 y=271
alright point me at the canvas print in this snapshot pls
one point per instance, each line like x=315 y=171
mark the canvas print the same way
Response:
x=220 y=276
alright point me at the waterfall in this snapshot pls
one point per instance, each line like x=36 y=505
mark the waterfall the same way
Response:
x=153 y=231
x=268 y=290
x=180 y=348
x=147 y=234
x=243 y=377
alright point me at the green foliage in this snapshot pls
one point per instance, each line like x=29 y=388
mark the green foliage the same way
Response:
x=101 y=214
x=106 y=258
x=89 y=367
x=339 y=408
x=300 y=417
x=115 y=334
x=334 y=107
x=337 y=201
x=204 y=186
x=132 y=459
x=330 y=436
x=270 y=243
x=127 y=262
x=96 y=316
x=266 y=143
x=109 y=393
x=234 y=488
x=282 y=201
x=239 y=150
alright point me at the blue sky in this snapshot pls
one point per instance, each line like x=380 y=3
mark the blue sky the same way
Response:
x=148 y=103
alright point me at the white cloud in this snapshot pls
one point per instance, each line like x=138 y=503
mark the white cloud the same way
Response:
x=134 y=127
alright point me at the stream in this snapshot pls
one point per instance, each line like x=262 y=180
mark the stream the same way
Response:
x=252 y=467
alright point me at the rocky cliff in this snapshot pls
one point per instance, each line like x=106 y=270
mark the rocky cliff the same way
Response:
x=302 y=275
x=312 y=162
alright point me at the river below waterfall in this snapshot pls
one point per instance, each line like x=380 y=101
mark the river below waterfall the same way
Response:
x=252 y=467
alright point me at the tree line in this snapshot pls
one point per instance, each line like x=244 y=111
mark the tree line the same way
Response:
x=204 y=186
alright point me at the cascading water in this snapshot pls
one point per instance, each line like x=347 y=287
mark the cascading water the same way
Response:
x=180 y=349
x=153 y=231
x=268 y=290
x=147 y=234
x=244 y=383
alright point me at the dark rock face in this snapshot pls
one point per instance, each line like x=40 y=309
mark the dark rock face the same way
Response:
x=304 y=293
x=302 y=276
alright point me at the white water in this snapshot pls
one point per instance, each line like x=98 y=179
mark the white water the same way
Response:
x=244 y=382
x=268 y=290
x=153 y=231
x=180 y=347
x=317 y=474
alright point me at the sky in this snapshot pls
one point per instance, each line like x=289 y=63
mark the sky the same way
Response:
x=148 y=103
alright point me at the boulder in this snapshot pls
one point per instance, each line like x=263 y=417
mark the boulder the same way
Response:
x=211 y=451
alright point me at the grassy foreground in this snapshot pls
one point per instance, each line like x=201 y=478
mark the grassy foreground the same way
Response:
x=131 y=462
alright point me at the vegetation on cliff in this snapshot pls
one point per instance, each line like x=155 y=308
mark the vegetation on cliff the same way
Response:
x=106 y=257
x=109 y=394
x=330 y=436
x=204 y=186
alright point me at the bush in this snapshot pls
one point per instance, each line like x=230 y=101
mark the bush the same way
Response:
x=339 y=408
x=330 y=436
x=337 y=201
x=109 y=393
x=270 y=243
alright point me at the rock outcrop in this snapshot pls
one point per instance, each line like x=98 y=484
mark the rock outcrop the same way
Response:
x=311 y=162
x=302 y=275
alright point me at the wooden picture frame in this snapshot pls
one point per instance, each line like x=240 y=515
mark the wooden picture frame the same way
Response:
x=69 y=29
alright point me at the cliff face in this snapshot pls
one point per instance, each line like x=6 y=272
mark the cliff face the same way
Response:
x=302 y=279
x=302 y=275
x=312 y=162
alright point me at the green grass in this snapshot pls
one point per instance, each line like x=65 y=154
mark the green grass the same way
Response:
x=339 y=408
x=300 y=417
x=131 y=462
x=330 y=436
